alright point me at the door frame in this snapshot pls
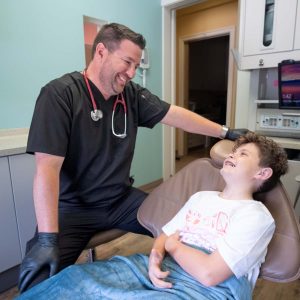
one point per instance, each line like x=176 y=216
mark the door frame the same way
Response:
x=169 y=8
x=169 y=76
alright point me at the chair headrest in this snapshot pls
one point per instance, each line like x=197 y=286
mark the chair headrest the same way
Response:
x=220 y=151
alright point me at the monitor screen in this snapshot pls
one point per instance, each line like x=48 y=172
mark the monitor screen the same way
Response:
x=289 y=84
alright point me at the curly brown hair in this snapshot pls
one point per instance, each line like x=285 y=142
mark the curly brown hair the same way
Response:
x=271 y=156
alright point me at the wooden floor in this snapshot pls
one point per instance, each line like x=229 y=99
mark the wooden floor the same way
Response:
x=134 y=243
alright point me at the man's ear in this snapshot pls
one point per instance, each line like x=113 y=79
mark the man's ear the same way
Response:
x=264 y=173
x=100 y=50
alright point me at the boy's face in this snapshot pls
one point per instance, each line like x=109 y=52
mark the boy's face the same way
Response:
x=242 y=165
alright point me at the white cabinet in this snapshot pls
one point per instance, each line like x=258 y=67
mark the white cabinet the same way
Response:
x=17 y=216
x=10 y=254
x=268 y=36
x=22 y=169
x=282 y=37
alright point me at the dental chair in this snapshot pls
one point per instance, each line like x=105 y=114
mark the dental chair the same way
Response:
x=282 y=262
x=100 y=238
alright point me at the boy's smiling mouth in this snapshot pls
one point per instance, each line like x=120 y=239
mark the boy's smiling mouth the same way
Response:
x=229 y=163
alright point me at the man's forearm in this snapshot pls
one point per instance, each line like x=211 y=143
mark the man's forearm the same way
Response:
x=189 y=121
x=46 y=204
x=46 y=191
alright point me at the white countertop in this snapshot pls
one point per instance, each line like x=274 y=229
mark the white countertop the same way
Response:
x=287 y=142
x=13 y=141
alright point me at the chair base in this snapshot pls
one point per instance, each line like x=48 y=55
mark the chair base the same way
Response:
x=102 y=237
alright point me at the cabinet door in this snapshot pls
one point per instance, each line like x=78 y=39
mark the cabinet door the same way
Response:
x=283 y=27
x=22 y=168
x=10 y=254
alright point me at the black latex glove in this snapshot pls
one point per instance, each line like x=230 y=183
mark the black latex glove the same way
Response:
x=43 y=254
x=233 y=134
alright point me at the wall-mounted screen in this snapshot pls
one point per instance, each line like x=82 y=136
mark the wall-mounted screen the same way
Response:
x=289 y=84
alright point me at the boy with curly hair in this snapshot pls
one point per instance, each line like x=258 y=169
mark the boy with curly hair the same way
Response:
x=212 y=249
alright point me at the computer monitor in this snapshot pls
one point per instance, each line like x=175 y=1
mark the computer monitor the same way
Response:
x=289 y=84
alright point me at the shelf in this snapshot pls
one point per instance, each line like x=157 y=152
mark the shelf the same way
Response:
x=266 y=101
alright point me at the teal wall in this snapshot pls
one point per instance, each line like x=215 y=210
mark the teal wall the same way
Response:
x=43 y=39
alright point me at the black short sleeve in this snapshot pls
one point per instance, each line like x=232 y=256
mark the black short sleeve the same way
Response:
x=51 y=122
x=151 y=109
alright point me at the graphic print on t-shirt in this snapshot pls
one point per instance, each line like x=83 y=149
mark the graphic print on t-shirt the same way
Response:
x=204 y=230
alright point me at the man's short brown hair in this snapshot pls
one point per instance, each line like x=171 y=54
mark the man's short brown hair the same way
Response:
x=111 y=35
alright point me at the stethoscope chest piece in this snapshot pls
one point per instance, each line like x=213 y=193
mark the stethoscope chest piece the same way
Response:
x=96 y=115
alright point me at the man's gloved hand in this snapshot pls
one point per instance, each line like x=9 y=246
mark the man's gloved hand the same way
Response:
x=43 y=254
x=233 y=134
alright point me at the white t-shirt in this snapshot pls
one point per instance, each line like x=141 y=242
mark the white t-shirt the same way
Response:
x=240 y=229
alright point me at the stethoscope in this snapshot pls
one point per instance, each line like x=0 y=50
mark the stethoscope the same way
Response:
x=97 y=114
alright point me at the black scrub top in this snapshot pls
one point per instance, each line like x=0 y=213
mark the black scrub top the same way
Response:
x=96 y=168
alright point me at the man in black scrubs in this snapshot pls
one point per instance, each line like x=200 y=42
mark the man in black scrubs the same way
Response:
x=83 y=135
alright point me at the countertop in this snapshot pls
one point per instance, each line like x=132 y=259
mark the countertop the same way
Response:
x=13 y=141
x=287 y=142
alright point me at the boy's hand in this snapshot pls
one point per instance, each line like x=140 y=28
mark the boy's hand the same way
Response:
x=157 y=276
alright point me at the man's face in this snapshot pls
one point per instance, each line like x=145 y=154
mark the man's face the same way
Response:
x=242 y=164
x=119 y=67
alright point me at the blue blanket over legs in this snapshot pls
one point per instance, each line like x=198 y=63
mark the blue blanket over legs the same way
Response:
x=127 y=278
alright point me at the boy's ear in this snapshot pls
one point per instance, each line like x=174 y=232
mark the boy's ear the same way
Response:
x=264 y=173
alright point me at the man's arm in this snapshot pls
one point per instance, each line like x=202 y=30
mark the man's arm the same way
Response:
x=208 y=269
x=45 y=252
x=189 y=121
x=46 y=191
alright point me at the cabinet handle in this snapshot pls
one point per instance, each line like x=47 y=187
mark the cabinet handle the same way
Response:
x=269 y=23
x=261 y=62
x=291 y=114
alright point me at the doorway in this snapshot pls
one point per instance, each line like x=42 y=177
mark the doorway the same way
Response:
x=205 y=82
x=205 y=89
